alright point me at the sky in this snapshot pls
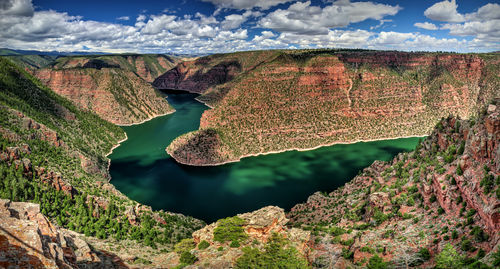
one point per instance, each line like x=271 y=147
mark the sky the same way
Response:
x=214 y=26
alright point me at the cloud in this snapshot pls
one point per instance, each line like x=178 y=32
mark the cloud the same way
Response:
x=246 y=4
x=300 y=25
x=16 y=8
x=483 y=25
x=234 y=21
x=303 y=18
x=426 y=25
x=486 y=12
x=123 y=18
x=444 y=11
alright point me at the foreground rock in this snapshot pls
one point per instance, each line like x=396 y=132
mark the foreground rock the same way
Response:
x=29 y=240
x=257 y=229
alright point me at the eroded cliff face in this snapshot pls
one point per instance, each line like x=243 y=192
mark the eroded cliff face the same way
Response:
x=304 y=99
x=116 y=95
x=29 y=240
x=447 y=191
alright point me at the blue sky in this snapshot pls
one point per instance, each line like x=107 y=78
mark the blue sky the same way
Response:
x=208 y=26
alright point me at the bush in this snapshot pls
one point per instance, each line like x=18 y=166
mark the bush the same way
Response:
x=424 y=253
x=188 y=258
x=449 y=258
x=276 y=254
x=230 y=229
x=235 y=244
x=466 y=245
x=184 y=245
x=376 y=262
x=203 y=245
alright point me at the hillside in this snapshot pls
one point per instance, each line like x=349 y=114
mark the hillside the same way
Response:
x=53 y=154
x=408 y=211
x=435 y=207
x=269 y=101
x=438 y=205
x=113 y=86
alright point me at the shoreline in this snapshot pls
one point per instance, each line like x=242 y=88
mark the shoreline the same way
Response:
x=146 y=120
x=296 y=149
x=126 y=138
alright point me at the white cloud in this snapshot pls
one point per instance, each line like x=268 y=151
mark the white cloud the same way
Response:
x=426 y=25
x=301 y=25
x=444 y=11
x=16 y=8
x=483 y=25
x=303 y=18
x=123 y=18
x=246 y=4
x=486 y=12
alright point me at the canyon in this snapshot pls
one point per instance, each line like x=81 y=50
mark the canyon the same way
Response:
x=404 y=212
x=271 y=101
x=115 y=87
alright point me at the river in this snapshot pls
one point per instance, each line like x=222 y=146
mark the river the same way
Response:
x=142 y=170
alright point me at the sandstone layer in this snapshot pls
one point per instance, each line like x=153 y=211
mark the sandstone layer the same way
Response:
x=281 y=100
x=445 y=192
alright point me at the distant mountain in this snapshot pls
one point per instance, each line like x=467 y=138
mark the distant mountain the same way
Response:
x=10 y=52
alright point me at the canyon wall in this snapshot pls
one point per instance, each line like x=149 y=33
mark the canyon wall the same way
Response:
x=445 y=192
x=281 y=100
x=114 y=87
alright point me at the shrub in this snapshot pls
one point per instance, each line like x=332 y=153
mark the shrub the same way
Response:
x=184 y=245
x=235 y=244
x=203 y=245
x=276 y=254
x=187 y=258
x=424 y=253
x=376 y=262
x=466 y=245
x=449 y=258
x=230 y=229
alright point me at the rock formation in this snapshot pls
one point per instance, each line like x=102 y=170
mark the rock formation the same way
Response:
x=447 y=191
x=115 y=92
x=281 y=100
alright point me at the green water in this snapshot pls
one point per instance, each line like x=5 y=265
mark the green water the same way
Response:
x=142 y=170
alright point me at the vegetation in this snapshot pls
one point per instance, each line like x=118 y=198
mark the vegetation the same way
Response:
x=203 y=245
x=52 y=139
x=276 y=254
x=230 y=229
x=449 y=258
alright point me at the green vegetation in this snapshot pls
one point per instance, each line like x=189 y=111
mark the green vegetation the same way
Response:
x=187 y=258
x=376 y=262
x=276 y=254
x=53 y=137
x=230 y=229
x=203 y=245
x=449 y=258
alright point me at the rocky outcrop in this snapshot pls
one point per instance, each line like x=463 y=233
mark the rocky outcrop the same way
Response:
x=446 y=191
x=270 y=102
x=29 y=240
x=259 y=226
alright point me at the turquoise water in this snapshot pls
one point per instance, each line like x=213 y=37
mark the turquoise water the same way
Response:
x=142 y=170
